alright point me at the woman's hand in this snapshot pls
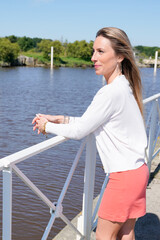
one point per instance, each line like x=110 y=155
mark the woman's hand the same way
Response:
x=40 y=123
x=41 y=119
x=59 y=119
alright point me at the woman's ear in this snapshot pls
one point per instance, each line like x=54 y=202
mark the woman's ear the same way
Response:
x=120 y=58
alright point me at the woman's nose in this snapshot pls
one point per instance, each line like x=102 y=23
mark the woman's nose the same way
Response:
x=93 y=59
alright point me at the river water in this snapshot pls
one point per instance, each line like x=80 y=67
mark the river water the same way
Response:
x=23 y=93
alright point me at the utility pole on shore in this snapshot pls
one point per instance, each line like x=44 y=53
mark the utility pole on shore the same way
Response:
x=155 y=63
x=51 y=57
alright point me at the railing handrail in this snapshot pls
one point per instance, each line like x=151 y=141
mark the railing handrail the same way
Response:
x=31 y=151
x=149 y=99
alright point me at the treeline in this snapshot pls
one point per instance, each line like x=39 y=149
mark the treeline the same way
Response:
x=146 y=51
x=11 y=47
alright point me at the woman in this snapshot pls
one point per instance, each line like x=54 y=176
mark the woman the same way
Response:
x=115 y=116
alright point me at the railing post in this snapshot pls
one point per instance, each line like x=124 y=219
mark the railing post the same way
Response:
x=152 y=131
x=155 y=63
x=7 y=204
x=52 y=57
x=89 y=179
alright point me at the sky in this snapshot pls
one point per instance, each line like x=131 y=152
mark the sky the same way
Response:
x=73 y=20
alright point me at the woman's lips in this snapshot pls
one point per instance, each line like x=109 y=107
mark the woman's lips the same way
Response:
x=96 y=66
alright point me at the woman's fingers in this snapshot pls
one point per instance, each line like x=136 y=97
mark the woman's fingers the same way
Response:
x=34 y=120
x=51 y=118
x=40 y=124
x=35 y=127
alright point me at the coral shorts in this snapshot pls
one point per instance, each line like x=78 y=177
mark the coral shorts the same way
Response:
x=125 y=195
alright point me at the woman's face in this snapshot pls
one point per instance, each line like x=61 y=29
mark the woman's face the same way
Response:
x=105 y=59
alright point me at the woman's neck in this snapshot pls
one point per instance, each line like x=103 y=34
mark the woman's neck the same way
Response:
x=112 y=77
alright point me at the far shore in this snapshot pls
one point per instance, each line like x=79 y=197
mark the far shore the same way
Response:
x=32 y=62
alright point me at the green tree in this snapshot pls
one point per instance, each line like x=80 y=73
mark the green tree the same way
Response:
x=12 y=38
x=45 y=46
x=58 y=48
x=65 y=44
x=36 y=41
x=147 y=51
x=71 y=49
x=25 y=43
x=80 y=49
x=8 y=51
x=85 y=50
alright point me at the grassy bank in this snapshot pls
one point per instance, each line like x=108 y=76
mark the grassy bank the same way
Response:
x=75 y=62
x=36 y=55
x=62 y=61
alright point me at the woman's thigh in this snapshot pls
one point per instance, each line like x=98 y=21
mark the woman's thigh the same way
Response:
x=127 y=230
x=107 y=230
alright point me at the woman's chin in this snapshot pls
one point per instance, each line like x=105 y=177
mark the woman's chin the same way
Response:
x=98 y=72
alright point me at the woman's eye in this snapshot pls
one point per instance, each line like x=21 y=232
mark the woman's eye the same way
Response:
x=101 y=51
x=98 y=51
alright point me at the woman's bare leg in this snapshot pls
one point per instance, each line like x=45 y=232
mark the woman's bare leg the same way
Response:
x=107 y=230
x=127 y=230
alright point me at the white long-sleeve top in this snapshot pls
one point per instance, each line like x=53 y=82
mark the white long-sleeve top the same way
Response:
x=115 y=119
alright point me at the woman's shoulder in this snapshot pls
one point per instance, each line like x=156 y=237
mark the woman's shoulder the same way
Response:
x=114 y=88
x=115 y=93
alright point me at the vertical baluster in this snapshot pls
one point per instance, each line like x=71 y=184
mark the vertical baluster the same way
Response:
x=152 y=131
x=89 y=177
x=7 y=204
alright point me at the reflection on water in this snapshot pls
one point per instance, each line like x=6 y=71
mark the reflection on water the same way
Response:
x=23 y=93
x=51 y=73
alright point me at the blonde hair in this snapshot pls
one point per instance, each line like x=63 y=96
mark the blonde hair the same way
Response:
x=122 y=46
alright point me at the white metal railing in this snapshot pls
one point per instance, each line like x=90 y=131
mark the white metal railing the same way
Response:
x=152 y=127
x=86 y=222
